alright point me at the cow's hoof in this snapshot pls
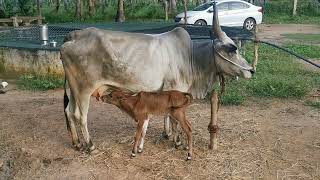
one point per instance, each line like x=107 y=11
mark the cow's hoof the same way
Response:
x=177 y=144
x=140 y=150
x=94 y=152
x=78 y=147
x=133 y=155
x=164 y=135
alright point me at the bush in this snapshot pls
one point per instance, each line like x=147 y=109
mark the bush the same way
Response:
x=39 y=82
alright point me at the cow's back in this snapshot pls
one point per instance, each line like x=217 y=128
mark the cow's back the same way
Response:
x=127 y=60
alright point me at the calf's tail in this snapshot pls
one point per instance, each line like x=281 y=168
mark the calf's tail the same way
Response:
x=66 y=102
x=187 y=101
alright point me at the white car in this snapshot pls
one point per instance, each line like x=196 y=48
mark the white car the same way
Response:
x=231 y=13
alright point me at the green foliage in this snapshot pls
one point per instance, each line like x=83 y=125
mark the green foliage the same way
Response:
x=315 y=103
x=38 y=82
x=304 y=38
x=278 y=75
x=310 y=51
x=280 y=11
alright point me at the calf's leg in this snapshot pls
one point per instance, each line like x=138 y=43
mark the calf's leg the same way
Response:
x=138 y=135
x=144 y=131
x=179 y=115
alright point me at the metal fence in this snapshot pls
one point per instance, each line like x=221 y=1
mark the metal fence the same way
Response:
x=29 y=37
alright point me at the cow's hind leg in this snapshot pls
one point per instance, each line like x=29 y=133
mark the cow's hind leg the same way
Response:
x=83 y=107
x=69 y=113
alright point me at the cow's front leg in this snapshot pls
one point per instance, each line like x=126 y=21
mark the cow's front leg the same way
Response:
x=213 y=127
x=167 y=130
x=175 y=131
x=144 y=131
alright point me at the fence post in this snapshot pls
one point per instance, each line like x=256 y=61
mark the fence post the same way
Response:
x=39 y=12
x=256 y=48
x=15 y=21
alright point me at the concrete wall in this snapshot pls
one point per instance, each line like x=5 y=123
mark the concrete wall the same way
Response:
x=38 y=61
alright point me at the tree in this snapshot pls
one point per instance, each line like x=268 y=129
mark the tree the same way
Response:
x=79 y=9
x=173 y=7
x=57 y=5
x=120 y=12
x=2 y=9
x=92 y=9
x=295 y=2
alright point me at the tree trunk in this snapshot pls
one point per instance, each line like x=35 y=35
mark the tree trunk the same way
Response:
x=2 y=9
x=173 y=7
x=79 y=8
x=57 y=5
x=185 y=11
x=120 y=12
x=66 y=4
x=166 y=9
x=39 y=5
x=295 y=2
x=92 y=9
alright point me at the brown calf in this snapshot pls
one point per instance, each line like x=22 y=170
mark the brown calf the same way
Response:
x=144 y=104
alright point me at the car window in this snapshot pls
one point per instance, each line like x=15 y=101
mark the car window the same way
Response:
x=222 y=7
x=237 y=5
x=203 y=7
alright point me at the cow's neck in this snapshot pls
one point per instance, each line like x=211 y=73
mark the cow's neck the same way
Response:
x=203 y=68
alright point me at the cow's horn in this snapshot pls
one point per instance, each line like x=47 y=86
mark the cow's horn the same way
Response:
x=215 y=23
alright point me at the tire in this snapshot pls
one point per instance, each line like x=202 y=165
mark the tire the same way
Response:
x=249 y=24
x=201 y=22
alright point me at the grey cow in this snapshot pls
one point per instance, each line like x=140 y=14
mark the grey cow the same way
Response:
x=99 y=59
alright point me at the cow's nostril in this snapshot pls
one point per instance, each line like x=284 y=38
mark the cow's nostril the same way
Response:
x=252 y=71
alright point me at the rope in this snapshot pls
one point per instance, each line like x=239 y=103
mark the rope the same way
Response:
x=283 y=49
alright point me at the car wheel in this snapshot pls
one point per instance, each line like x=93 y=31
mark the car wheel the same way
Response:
x=249 y=24
x=200 y=22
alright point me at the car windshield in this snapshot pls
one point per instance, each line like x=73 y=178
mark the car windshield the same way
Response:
x=203 y=7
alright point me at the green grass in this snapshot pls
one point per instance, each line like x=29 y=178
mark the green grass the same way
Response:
x=278 y=76
x=289 y=19
x=315 y=104
x=309 y=51
x=39 y=82
x=304 y=38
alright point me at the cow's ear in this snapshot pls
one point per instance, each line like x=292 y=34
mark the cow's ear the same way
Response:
x=227 y=47
x=230 y=47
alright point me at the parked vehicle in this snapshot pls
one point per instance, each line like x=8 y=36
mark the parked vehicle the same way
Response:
x=231 y=13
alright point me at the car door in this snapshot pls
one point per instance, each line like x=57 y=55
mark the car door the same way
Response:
x=237 y=13
x=222 y=9
x=223 y=13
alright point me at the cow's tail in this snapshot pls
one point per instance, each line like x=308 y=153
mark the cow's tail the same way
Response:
x=66 y=102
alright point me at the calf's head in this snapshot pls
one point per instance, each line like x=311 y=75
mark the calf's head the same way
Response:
x=114 y=97
x=227 y=57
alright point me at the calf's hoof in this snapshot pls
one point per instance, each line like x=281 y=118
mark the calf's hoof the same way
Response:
x=133 y=155
x=140 y=150
x=189 y=157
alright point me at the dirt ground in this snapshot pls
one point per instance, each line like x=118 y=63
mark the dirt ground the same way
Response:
x=262 y=139
x=274 y=32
